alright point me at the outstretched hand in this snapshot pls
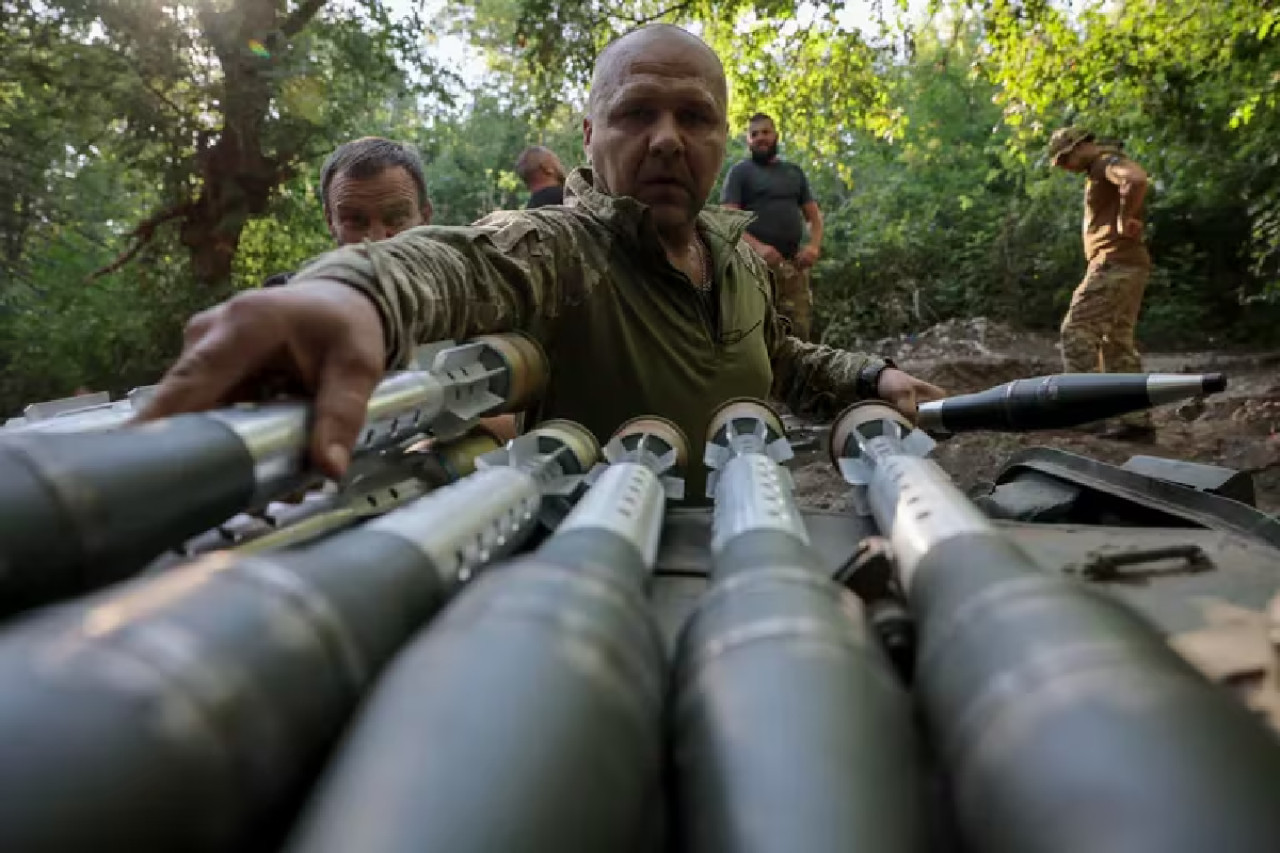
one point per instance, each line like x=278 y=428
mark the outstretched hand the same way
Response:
x=905 y=393
x=321 y=337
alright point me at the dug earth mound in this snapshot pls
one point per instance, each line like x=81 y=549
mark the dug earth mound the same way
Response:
x=1236 y=429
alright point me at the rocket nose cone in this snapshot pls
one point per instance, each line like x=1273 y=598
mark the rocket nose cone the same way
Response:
x=1171 y=387
x=929 y=416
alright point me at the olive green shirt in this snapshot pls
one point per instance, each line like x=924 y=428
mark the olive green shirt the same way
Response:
x=626 y=333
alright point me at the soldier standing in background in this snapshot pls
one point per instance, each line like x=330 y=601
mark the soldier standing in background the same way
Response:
x=543 y=175
x=778 y=194
x=1098 y=331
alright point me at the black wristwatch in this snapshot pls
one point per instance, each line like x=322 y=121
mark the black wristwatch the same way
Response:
x=867 y=385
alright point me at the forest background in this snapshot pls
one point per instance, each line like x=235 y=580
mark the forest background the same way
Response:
x=157 y=155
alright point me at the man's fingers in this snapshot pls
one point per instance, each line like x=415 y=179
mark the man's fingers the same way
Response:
x=198 y=326
x=926 y=391
x=224 y=357
x=346 y=382
x=908 y=399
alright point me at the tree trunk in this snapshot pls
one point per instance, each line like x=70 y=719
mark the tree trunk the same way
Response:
x=236 y=176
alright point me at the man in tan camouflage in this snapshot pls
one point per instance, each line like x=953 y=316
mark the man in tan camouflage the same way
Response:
x=645 y=303
x=1098 y=331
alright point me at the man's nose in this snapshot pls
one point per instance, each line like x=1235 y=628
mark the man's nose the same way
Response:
x=377 y=231
x=664 y=136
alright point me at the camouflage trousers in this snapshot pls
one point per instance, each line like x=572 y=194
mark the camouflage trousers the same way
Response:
x=1097 y=333
x=794 y=299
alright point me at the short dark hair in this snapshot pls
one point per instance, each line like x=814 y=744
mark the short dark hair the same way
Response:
x=761 y=117
x=371 y=155
x=535 y=158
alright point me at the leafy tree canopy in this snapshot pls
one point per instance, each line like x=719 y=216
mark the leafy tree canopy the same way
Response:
x=161 y=153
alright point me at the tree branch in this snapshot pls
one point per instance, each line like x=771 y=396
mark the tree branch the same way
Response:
x=640 y=22
x=146 y=84
x=142 y=235
x=300 y=18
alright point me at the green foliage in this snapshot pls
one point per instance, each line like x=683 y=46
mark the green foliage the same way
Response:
x=1194 y=92
x=292 y=232
x=922 y=138
x=818 y=77
x=926 y=140
x=941 y=221
x=780 y=57
x=470 y=160
x=58 y=335
x=130 y=128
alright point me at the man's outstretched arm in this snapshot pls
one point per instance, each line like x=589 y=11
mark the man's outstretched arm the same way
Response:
x=351 y=314
x=810 y=251
x=507 y=272
x=818 y=381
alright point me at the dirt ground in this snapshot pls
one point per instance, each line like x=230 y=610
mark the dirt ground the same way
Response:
x=1236 y=429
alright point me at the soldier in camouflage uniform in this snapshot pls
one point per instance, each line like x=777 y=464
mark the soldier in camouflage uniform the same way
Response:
x=645 y=303
x=1098 y=331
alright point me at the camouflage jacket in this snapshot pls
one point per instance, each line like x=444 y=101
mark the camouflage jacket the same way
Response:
x=626 y=332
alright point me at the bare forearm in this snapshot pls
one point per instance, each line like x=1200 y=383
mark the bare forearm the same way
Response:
x=815 y=230
x=1131 y=182
x=1131 y=196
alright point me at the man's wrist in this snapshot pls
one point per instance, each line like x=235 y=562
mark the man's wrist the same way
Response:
x=867 y=384
x=359 y=298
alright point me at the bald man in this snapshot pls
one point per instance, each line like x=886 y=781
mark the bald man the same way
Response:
x=543 y=176
x=645 y=303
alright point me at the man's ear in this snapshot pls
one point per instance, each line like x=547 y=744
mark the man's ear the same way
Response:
x=427 y=211
x=586 y=137
x=328 y=221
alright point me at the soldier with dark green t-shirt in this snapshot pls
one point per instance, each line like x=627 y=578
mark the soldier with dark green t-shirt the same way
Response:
x=777 y=192
x=645 y=303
